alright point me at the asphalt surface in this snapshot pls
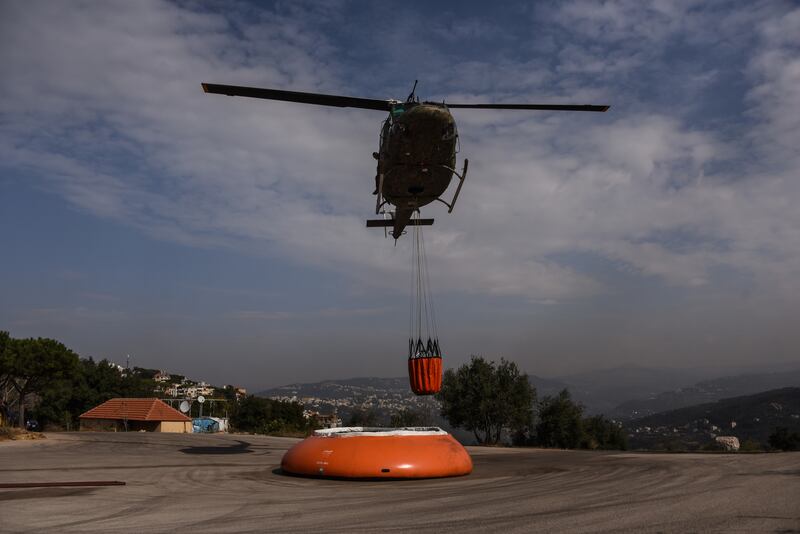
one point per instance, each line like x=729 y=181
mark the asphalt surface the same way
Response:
x=232 y=483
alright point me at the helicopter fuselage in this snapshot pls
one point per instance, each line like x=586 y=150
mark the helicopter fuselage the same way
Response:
x=417 y=157
x=417 y=154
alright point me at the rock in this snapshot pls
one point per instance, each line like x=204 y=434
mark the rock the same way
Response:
x=729 y=443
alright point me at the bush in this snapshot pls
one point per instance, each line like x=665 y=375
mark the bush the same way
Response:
x=560 y=424
x=361 y=417
x=408 y=417
x=784 y=440
x=267 y=416
x=750 y=445
x=601 y=433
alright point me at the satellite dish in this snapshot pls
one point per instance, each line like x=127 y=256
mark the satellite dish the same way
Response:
x=201 y=399
x=184 y=406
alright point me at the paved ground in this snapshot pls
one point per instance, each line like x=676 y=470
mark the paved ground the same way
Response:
x=204 y=483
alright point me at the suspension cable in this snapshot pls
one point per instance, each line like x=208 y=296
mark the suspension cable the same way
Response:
x=422 y=317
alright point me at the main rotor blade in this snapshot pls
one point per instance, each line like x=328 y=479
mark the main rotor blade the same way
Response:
x=542 y=107
x=296 y=96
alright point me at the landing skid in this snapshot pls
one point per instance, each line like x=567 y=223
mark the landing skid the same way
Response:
x=383 y=223
x=461 y=177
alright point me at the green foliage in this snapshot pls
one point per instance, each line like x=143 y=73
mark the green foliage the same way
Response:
x=144 y=372
x=229 y=393
x=560 y=424
x=5 y=372
x=784 y=440
x=5 y=357
x=58 y=384
x=408 y=417
x=750 y=445
x=673 y=445
x=267 y=416
x=93 y=384
x=487 y=399
x=36 y=365
x=601 y=433
x=361 y=417
x=712 y=446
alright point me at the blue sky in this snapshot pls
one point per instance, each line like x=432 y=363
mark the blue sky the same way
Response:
x=223 y=238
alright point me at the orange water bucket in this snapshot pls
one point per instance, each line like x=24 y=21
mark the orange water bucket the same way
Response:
x=425 y=374
x=356 y=452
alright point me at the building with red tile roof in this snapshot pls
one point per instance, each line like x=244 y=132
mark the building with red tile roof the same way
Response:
x=152 y=415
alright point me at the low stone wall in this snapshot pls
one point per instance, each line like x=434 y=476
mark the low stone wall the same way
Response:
x=182 y=427
x=100 y=425
x=119 y=425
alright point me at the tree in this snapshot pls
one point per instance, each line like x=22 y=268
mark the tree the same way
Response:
x=229 y=393
x=5 y=357
x=265 y=416
x=487 y=399
x=6 y=389
x=750 y=445
x=784 y=440
x=62 y=402
x=600 y=433
x=560 y=422
x=364 y=418
x=407 y=417
x=251 y=414
x=144 y=372
x=37 y=363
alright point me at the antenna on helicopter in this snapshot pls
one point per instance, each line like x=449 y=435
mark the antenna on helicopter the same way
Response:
x=413 y=89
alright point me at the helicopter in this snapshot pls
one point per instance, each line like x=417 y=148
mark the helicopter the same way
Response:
x=417 y=150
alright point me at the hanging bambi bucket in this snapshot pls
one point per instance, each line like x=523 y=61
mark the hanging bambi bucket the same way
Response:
x=424 y=359
x=425 y=374
x=425 y=367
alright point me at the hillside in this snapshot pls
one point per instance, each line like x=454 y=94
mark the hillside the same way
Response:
x=385 y=396
x=704 y=392
x=346 y=388
x=601 y=390
x=748 y=417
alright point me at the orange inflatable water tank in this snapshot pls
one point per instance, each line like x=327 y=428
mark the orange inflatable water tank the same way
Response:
x=425 y=374
x=358 y=452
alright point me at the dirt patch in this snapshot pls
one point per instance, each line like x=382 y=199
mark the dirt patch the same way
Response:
x=8 y=433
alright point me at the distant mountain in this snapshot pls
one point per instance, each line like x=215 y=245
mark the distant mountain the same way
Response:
x=362 y=388
x=346 y=388
x=621 y=392
x=748 y=417
x=383 y=396
x=602 y=390
x=546 y=386
x=705 y=391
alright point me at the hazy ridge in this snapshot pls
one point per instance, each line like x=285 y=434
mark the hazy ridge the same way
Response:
x=748 y=417
x=704 y=392
x=624 y=393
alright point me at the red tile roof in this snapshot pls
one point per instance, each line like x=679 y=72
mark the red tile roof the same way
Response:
x=135 y=410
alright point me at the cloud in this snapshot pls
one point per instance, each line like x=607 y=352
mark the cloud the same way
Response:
x=328 y=313
x=114 y=121
x=74 y=318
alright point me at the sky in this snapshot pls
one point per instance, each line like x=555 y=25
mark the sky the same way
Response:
x=224 y=239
